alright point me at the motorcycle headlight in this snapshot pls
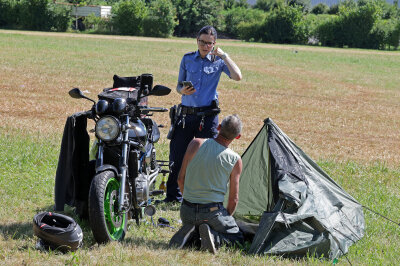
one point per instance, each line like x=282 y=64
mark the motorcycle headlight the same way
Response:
x=107 y=128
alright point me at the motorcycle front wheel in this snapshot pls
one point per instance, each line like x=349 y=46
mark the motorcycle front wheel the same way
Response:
x=107 y=223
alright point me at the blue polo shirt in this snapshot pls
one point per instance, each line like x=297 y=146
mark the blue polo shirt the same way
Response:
x=204 y=73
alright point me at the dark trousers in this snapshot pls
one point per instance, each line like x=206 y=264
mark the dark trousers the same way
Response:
x=223 y=226
x=180 y=141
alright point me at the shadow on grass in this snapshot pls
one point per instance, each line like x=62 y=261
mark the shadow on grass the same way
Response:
x=145 y=242
x=17 y=230
x=21 y=230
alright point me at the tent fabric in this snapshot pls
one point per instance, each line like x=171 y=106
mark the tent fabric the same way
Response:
x=303 y=211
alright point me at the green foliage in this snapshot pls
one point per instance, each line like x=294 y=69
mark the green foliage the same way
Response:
x=194 y=14
x=285 y=25
x=313 y=23
x=305 y=5
x=250 y=31
x=233 y=17
x=59 y=17
x=128 y=17
x=161 y=19
x=97 y=24
x=320 y=8
x=42 y=15
x=228 y=4
x=241 y=3
x=268 y=5
x=33 y=15
x=356 y=23
x=326 y=31
x=385 y=33
x=388 y=10
x=334 y=9
x=183 y=15
x=8 y=13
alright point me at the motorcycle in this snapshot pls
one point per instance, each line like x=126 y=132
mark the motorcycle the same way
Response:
x=126 y=167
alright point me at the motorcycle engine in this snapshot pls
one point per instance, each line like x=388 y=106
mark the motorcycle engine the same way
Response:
x=141 y=188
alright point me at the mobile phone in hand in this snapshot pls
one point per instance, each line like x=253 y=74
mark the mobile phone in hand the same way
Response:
x=187 y=84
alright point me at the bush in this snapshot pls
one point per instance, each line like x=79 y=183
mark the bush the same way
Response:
x=194 y=14
x=250 y=31
x=353 y=27
x=233 y=17
x=8 y=13
x=161 y=19
x=128 y=17
x=326 y=31
x=386 y=33
x=35 y=15
x=320 y=8
x=285 y=25
x=313 y=22
x=268 y=5
x=334 y=9
x=97 y=24
x=305 y=5
x=60 y=18
x=356 y=23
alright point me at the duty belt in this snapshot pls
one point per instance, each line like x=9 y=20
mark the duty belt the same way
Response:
x=188 y=110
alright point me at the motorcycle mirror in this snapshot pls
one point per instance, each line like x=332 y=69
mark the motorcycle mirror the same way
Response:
x=160 y=90
x=78 y=94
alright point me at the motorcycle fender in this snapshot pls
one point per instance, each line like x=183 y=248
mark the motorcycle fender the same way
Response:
x=106 y=167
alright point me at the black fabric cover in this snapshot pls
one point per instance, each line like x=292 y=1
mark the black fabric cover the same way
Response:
x=110 y=94
x=131 y=82
x=73 y=175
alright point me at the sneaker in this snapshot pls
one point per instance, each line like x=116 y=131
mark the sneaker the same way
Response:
x=207 y=238
x=181 y=238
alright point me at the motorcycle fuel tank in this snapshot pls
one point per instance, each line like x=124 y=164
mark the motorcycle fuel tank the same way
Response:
x=138 y=131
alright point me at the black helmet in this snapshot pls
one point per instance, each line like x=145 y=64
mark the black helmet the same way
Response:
x=57 y=231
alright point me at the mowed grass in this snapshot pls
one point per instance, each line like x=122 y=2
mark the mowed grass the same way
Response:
x=340 y=105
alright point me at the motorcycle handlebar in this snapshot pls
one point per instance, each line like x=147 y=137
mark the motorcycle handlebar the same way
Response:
x=153 y=109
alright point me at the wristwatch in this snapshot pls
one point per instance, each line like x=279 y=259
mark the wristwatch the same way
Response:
x=224 y=56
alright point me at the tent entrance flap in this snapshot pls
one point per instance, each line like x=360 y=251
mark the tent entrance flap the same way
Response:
x=314 y=216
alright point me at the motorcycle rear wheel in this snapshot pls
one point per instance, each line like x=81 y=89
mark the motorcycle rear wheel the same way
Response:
x=107 y=223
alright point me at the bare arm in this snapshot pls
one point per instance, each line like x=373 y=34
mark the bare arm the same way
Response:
x=234 y=187
x=191 y=151
x=236 y=74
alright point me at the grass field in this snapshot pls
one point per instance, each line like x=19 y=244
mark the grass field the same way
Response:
x=341 y=106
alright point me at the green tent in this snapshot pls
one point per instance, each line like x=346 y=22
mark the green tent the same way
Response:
x=301 y=210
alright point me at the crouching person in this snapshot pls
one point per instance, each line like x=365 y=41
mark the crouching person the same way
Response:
x=208 y=166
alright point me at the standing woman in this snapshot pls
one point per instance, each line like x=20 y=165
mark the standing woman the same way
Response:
x=199 y=74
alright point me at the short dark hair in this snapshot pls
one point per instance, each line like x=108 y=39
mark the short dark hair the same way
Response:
x=231 y=127
x=208 y=30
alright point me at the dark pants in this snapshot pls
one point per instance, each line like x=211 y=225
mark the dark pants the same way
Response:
x=180 y=141
x=223 y=226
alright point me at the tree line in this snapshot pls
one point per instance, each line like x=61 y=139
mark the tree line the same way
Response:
x=373 y=24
